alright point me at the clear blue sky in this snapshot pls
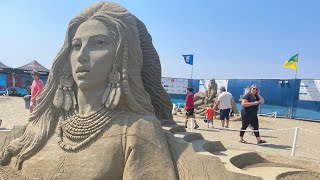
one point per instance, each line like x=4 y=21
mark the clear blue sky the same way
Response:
x=229 y=39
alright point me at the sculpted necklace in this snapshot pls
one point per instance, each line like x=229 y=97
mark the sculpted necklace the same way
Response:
x=83 y=129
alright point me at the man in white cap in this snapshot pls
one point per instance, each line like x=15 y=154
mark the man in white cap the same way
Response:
x=225 y=101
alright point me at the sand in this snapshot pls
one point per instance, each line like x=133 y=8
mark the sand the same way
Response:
x=13 y=111
x=277 y=148
x=279 y=142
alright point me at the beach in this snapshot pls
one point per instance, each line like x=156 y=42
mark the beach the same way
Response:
x=13 y=111
x=278 y=133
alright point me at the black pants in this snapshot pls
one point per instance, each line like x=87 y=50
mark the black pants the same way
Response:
x=250 y=119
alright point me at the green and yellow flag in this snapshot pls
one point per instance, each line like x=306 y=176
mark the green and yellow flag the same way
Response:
x=292 y=62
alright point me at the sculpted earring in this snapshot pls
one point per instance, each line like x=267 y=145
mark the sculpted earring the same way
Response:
x=111 y=96
x=64 y=97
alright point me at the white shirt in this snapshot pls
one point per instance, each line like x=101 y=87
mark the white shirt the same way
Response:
x=225 y=100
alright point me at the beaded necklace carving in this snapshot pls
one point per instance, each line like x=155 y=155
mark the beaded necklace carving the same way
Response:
x=84 y=129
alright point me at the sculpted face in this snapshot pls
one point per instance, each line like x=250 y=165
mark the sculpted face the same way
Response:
x=92 y=54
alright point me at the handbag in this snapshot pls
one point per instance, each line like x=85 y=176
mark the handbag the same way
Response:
x=205 y=119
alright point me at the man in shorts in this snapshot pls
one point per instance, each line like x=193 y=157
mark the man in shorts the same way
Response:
x=189 y=107
x=225 y=101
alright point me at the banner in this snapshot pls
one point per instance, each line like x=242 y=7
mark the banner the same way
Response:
x=221 y=83
x=188 y=59
x=292 y=62
x=309 y=90
x=175 y=85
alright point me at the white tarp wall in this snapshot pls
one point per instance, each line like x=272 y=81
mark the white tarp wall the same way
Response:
x=203 y=84
x=175 y=85
x=309 y=90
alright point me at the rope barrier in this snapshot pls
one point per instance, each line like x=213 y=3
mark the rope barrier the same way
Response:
x=260 y=130
x=310 y=131
x=5 y=130
x=295 y=137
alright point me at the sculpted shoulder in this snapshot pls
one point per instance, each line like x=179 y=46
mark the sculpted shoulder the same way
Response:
x=145 y=128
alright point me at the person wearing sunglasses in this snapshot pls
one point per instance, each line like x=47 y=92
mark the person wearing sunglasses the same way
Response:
x=36 y=89
x=250 y=105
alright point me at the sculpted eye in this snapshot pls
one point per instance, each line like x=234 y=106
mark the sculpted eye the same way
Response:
x=100 y=42
x=76 y=46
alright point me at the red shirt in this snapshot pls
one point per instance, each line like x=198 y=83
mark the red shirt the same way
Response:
x=210 y=113
x=189 y=101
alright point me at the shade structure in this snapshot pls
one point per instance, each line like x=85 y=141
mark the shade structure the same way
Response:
x=5 y=69
x=28 y=68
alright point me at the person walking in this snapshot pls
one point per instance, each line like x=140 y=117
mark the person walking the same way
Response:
x=209 y=112
x=189 y=107
x=225 y=101
x=250 y=103
x=36 y=89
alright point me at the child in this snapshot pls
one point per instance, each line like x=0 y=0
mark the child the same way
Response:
x=209 y=114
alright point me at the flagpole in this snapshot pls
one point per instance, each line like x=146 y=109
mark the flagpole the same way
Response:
x=192 y=67
x=294 y=90
x=192 y=70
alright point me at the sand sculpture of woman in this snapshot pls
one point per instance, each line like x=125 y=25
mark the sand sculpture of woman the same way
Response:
x=98 y=116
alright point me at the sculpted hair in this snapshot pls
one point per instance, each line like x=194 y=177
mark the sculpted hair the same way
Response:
x=128 y=29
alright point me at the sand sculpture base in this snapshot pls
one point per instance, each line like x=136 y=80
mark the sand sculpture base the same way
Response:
x=197 y=158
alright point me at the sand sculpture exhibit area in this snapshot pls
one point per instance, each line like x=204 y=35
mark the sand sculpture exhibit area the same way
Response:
x=104 y=114
x=262 y=160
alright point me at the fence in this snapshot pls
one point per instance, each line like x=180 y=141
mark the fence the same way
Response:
x=294 y=138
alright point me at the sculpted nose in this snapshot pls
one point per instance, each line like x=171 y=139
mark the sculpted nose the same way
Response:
x=83 y=55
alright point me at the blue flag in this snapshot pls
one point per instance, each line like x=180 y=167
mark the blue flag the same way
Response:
x=188 y=59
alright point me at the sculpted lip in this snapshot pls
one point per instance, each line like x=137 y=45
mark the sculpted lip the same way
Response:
x=82 y=70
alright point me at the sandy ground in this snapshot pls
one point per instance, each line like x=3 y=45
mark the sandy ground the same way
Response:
x=278 y=146
x=13 y=111
x=278 y=133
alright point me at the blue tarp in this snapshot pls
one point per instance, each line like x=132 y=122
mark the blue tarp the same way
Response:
x=280 y=95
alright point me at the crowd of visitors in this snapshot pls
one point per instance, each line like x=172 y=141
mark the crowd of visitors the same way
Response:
x=250 y=106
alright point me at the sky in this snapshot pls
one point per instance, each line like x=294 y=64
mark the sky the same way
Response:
x=233 y=39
